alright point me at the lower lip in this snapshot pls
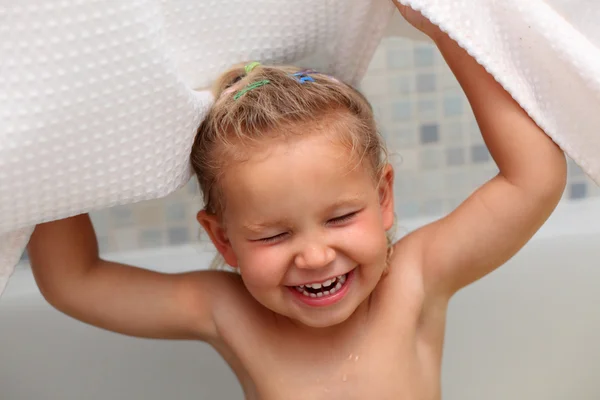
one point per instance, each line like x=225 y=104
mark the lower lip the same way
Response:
x=325 y=300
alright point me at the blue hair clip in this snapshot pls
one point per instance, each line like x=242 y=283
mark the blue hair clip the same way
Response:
x=302 y=76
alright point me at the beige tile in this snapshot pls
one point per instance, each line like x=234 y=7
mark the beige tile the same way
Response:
x=150 y=214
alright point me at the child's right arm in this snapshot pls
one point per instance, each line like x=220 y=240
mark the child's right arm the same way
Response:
x=499 y=218
x=120 y=298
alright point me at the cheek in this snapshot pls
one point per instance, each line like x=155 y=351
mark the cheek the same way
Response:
x=262 y=266
x=367 y=237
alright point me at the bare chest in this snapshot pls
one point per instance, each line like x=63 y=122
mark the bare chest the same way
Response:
x=389 y=360
x=366 y=374
x=370 y=372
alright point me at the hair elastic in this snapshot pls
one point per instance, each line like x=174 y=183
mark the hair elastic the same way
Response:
x=249 y=67
x=251 y=87
x=303 y=77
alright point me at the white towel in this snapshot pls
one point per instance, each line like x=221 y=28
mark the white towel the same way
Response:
x=97 y=106
x=545 y=53
x=96 y=100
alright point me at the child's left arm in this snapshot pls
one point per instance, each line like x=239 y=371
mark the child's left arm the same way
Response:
x=497 y=220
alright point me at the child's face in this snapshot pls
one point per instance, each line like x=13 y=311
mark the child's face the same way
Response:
x=297 y=213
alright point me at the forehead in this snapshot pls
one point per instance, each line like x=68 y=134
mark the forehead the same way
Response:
x=303 y=173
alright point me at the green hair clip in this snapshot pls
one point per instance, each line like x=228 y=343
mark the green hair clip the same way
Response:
x=248 y=68
x=251 y=87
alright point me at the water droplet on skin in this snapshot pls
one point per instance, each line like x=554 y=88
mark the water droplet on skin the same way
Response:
x=344 y=378
x=355 y=358
x=350 y=356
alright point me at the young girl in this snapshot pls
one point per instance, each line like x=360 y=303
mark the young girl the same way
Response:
x=298 y=198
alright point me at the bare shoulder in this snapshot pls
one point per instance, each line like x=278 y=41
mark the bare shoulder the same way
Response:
x=409 y=271
x=410 y=257
x=403 y=284
x=223 y=289
x=407 y=254
x=230 y=302
x=410 y=295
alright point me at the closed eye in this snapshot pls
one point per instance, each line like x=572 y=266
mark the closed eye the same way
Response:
x=271 y=239
x=343 y=219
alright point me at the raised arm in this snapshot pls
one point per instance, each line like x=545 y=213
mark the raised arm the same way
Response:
x=120 y=298
x=497 y=220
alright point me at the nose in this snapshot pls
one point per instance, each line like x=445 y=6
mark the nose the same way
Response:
x=315 y=256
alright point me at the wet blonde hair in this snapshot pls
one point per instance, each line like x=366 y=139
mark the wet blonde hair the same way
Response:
x=278 y=107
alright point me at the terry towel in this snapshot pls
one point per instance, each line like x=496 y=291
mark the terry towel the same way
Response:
x=100 y=100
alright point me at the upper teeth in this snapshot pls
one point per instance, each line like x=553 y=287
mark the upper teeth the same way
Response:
x=326 y=283
x=338 y=281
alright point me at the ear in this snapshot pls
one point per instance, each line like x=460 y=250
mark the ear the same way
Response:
x=386 y=196
x=213 y=227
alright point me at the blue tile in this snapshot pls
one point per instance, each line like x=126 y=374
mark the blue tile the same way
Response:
x=455 y=156
x=424 y=56
x=429 y=133
x=453 y=106
x=178 y=236
x=426 y=83
x=401 y=110
x=480 y=154
x=578 y=190
x=399 y=59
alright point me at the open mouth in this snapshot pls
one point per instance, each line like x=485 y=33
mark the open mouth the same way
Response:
x=325 y=288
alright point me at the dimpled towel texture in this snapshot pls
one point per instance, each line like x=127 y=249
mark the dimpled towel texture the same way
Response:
x=100 y=100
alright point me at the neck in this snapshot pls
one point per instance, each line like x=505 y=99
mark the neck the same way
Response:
x=349 y=327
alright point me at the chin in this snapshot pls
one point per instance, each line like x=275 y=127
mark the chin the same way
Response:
x=325 y=318
x=322 y=324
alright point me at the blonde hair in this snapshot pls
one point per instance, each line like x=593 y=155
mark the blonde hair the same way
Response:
x=262 y=103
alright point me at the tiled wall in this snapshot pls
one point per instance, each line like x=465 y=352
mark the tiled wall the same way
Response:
x=435 y=144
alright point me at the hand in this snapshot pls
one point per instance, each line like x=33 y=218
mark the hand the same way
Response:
x=416 y=19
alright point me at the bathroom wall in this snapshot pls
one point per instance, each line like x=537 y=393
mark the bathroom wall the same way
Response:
x=435 y=143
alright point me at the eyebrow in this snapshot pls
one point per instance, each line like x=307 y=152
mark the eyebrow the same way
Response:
x=351 y=201
x=258 y=226
x=345 y=201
